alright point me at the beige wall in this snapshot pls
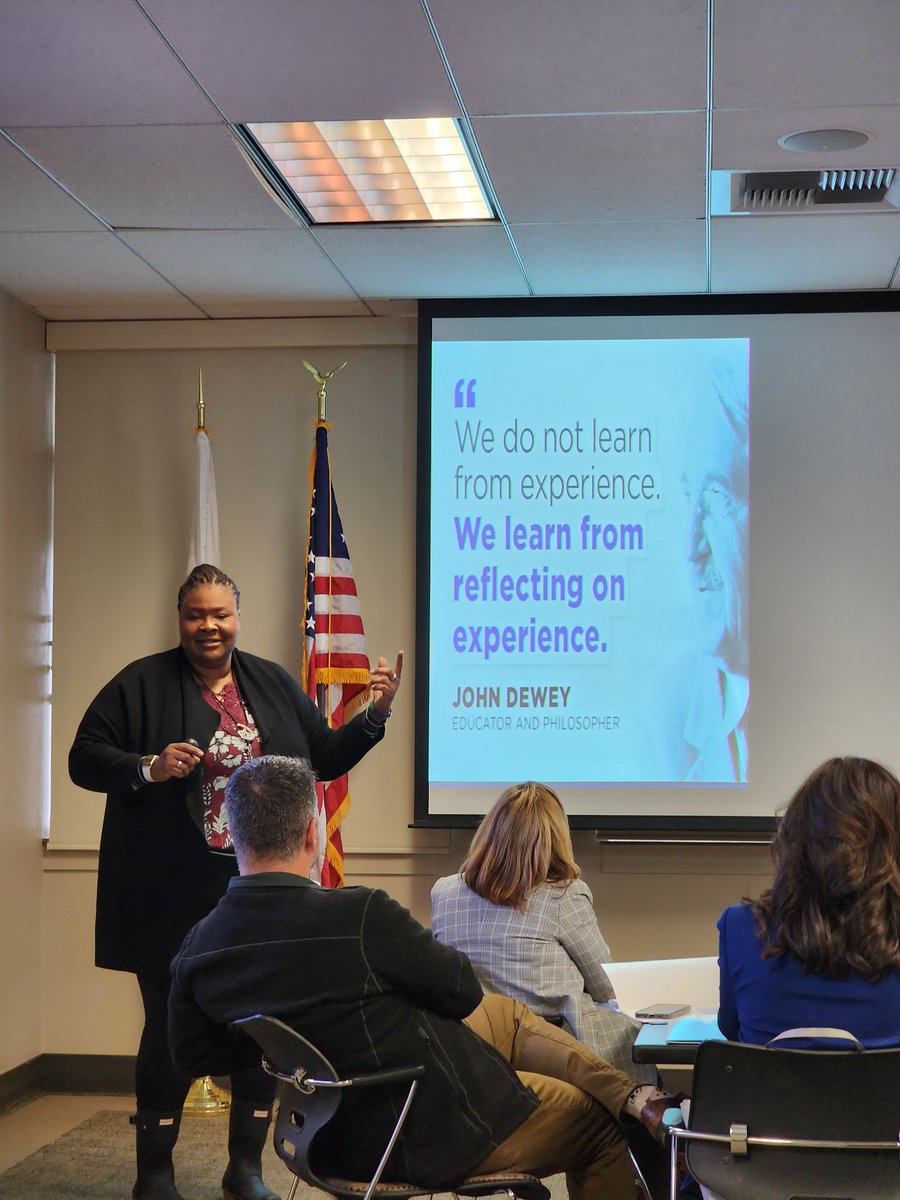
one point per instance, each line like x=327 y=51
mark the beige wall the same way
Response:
x=25 y=565
x=124 y=480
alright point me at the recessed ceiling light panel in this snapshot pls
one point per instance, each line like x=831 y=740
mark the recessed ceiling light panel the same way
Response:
x=365 y=171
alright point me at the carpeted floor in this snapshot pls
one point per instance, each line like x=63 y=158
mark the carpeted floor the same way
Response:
x=95 y=1161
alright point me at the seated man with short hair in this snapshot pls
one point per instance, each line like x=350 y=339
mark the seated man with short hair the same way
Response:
x=356 y=974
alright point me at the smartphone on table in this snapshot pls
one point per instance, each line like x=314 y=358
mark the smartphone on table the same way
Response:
x=661 y=1012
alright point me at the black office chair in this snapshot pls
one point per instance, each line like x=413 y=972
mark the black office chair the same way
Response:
x=310 y=1094
x=768 y=1123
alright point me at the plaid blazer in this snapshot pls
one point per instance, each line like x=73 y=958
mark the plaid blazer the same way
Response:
x=550 y=956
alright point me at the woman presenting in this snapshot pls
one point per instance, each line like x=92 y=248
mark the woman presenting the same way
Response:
x=161 y=739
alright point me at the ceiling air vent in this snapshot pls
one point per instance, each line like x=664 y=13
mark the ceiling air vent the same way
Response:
x=866 y=189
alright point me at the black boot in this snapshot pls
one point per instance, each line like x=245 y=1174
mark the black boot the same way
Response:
x=156 y=1135
x=248 y=1126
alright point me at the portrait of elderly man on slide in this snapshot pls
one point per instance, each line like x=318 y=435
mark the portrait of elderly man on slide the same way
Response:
x=699 y=710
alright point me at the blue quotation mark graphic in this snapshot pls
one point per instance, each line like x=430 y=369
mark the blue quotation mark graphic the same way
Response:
x=464 y=387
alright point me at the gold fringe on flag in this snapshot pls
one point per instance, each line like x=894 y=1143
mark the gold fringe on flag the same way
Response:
x=335 y=859
x=342 y=675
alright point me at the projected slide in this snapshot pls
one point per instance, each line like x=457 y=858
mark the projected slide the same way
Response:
x=589 y=561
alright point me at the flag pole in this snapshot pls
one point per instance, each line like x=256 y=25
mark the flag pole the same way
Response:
x=204 y=1095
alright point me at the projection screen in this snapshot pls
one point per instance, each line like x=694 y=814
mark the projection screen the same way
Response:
x=635 y=558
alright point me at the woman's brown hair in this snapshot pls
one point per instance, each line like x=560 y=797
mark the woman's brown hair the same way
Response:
x=835 y=902
x=522 y=842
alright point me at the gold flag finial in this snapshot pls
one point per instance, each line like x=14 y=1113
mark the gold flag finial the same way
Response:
x=201 y=407
x=322 y=381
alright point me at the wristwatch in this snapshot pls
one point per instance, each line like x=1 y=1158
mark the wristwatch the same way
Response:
x=144 y=767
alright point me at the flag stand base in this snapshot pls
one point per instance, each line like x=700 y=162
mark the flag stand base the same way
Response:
x=206 y=1097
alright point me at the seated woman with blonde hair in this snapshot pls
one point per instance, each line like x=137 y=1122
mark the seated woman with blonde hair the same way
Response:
x=520 y=912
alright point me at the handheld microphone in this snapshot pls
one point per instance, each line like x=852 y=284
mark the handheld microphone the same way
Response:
x=193 y=742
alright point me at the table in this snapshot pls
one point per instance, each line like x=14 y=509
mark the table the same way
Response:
x=650 y=1046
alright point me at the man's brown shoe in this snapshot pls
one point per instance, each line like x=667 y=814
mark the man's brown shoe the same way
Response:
x=661 y=1114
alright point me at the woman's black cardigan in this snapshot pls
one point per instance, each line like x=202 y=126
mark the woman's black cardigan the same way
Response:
x=156 y=875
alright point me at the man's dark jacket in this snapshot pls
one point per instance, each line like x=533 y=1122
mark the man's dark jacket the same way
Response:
x=356 y=974
x=156 y=875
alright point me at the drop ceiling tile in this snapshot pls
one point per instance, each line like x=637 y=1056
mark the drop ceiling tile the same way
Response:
x=749 y=140
x=622 y=167
x=29 y=199
x=91 y=63
x=385 y=263
x=801 y=253
x=282 y=61
x=79 y=268
x=575 y=56
x=614 y=258
x=805 y=53
x=158 y=176
x=232 y=266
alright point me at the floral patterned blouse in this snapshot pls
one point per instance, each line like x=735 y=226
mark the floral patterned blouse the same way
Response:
x=235 y=742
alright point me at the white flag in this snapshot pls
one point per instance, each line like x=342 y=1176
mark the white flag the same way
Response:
x=205 y=534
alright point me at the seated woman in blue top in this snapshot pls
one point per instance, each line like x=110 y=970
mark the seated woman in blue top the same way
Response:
x=821 y=947
x=519 y=911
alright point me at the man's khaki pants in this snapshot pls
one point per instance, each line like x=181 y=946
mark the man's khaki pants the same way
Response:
x=575 y=1128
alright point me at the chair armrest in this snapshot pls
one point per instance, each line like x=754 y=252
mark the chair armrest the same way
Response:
x=305 y=1082
x=396 y=1075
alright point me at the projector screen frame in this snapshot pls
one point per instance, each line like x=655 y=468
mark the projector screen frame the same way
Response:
x=607 y=827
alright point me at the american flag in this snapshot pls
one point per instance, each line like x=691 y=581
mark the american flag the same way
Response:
x=335 y=663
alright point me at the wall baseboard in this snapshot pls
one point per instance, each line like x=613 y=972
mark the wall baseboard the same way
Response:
x=77 y=1074
x=21 y=1084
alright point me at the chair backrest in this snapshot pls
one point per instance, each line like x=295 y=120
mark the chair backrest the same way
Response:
x=831 y=1095
x=302 y=1109
x=309 y=1095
